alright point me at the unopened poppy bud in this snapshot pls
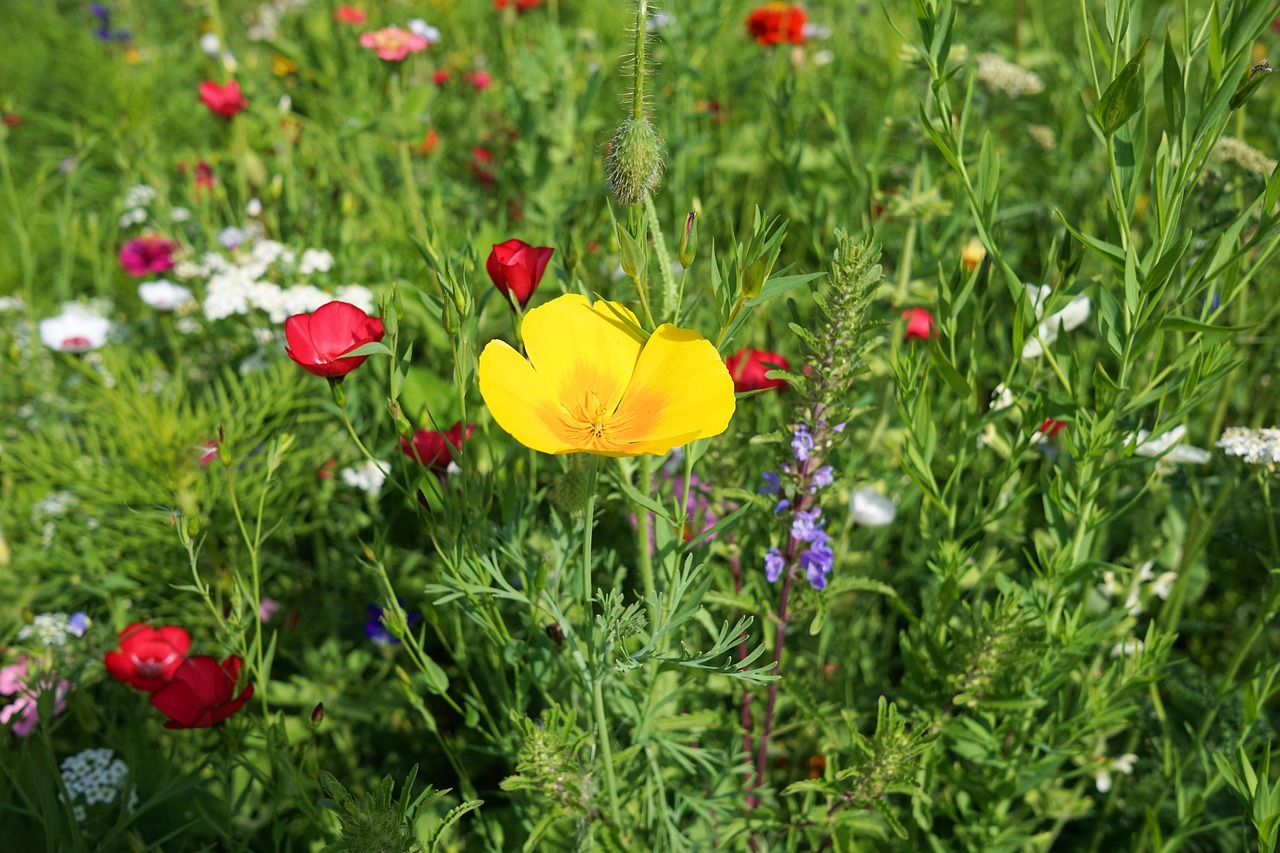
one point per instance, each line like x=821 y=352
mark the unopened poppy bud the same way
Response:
x=634 y=165
x=397 y=417
x=224 y=452
x=317 y=715
x=753 y=278
x=689 y=240
x=449 y=317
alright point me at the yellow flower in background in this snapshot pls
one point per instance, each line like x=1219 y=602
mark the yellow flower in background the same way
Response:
x=591 y=384
x=282 y=66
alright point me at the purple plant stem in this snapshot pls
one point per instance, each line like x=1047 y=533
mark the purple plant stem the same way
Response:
x=736 y=563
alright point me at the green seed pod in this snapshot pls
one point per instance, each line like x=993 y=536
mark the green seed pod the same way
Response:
x=634 y=164
x=753 y=278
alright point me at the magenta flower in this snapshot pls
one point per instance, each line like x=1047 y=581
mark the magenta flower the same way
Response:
x=15 y=681
x=393 y=44
x=147 y=255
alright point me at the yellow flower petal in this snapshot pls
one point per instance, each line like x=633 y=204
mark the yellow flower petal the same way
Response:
x=680 y=391
x=520 y=400
x=582 y=356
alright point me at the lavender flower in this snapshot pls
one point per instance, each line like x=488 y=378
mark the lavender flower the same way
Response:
x=772 y=483
x=821 y=478
x=802 y=443
x=817 y=562
x=806 y=526
x=773 y=565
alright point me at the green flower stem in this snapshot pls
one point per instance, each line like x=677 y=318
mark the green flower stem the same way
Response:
x=253 y=543
x=637 y=85
x=644 y=526
x=588 y=632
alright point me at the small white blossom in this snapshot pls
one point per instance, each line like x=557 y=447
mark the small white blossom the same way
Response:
x=1255 y=446
x=133 y=216
x=998 y=74
x=139 y=196
x=1070 y=317
x=94 y=776
x=315 y=260
x=419 y=27
x=253 y=208
x=210 y=45
x=1122 y=764
x=659 y=21
x=1164 y=446
x=164 y=295
x=1131 y=647
x=367 y=476
x=870 y=508
x=74 y=330
x=232 y=237
x=52 y=629
x=1163 y=585
x=180 y=214
x=11 y=303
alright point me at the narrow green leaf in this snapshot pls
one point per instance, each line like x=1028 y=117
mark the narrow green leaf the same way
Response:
x=1124 y=96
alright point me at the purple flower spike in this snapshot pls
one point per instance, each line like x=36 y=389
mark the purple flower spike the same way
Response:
x=802 y=443
x=806 y=525
x=773 y=565
x=817 y=562
x=822 y=478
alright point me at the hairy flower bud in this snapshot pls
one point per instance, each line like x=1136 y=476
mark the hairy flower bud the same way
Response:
x=634 y=164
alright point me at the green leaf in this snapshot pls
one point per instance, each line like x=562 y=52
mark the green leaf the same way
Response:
x=371 y=348
x=957 y=382
x=1124 y=96
x=1174 y=323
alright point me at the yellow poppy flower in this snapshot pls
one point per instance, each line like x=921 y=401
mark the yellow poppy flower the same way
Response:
x=591 y=384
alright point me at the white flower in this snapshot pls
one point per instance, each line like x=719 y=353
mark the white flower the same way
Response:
x=419 y=27
x=52 y=629
x=1255 y=446
x=180 y=214
x=164 y=295
x=11 y=303
x=1001 y=397
x=74 y=331
x=367 y=477
x=1163 y=446
x=315 y=260
x=870 y=508
x=1121 y=764
x=139 y=196
x=1070 y=317
x=1163 y=585
x=997 y=73
x=815 y=31
x=267 y=252
x=232 y=237
x=1129 y=648
x=210 y=45
x=94 y=776
x=824 y=57
x=253 y=208
x=133 y=216
x=357 y=295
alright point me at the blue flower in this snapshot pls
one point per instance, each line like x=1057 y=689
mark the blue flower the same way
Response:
x=376 y=629
x=773 y=565
x=806 y=527
x=802 y=443
x=822 y=478
x=772 y=484
x=78 y=623
x=817 y=562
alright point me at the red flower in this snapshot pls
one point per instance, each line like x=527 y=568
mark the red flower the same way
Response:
x=441 y=77
x=481 y=162
x=199 y=696
x=481 y=80
x=431 y=448
x=148 y=657
x=318 y=341
x=345 y=14
x=521 y=5
x=12 y=119
x=1051 y=427
x=919 y=324
x=147 y=255
x=429 y=142
x=748 y=367
x=516 y=268
x=222 y=100
x=776 y=23
x=204 y=177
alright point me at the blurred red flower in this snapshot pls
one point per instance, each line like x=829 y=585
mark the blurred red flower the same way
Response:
x=147 y=255
x=200 y=693
x=520 y=5
x=431 y=447
x=516 y=268
x=345 y=14
x=318 y=341
x=222 y=100
x=481 y=161
x=777 y=23
x=148 y=657
x=919 y=324
x=748 y=367
x=1051 y=427
x=429 y=142
x=481 y=80
x=441 y=77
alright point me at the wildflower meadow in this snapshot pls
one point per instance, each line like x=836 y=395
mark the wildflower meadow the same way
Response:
x=621 y=425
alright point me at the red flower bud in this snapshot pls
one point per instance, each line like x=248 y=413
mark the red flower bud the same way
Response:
x=516 y=268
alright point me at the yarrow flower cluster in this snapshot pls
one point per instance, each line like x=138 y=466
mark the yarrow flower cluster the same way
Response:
x=1228 y=149
x=53 y=629
x=998 y=74
x=92 y=777
x=1255 y=446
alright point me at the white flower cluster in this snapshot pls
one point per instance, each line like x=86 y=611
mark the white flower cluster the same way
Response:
x=998 y=74
x=1256 y=446
x=240 y=283
x=136 y=201
x=54 y=505
x=267 y=26
x=1228 y=149
x=1145 y=582
x=52 y=629
x=11 y=303
x=93 y=776
x=367 y=477
x=419 y=27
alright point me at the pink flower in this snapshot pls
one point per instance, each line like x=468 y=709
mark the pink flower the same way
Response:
x=480 y=79
x=345 y=14
x=267 y=608
x=14 y=681
x=441 y=77
x=393 y=44
x=919 y=324
x=225 y=101
x=147 y=255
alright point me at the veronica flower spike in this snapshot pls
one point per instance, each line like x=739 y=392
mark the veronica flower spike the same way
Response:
x=593 y=384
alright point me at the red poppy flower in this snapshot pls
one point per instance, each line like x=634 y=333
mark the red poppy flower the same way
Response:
x=222 y=100
x=345 y=14
x=431 y=447
x=520 y=5
x=748 y=367
x=441 y=77
x=1051 y=427
x=199 y=696
x=481 y=80
x=777 y=23
x=919 y=324
x=147 y=255
x=148 y=657
x=516 y=268
x=318 y=341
